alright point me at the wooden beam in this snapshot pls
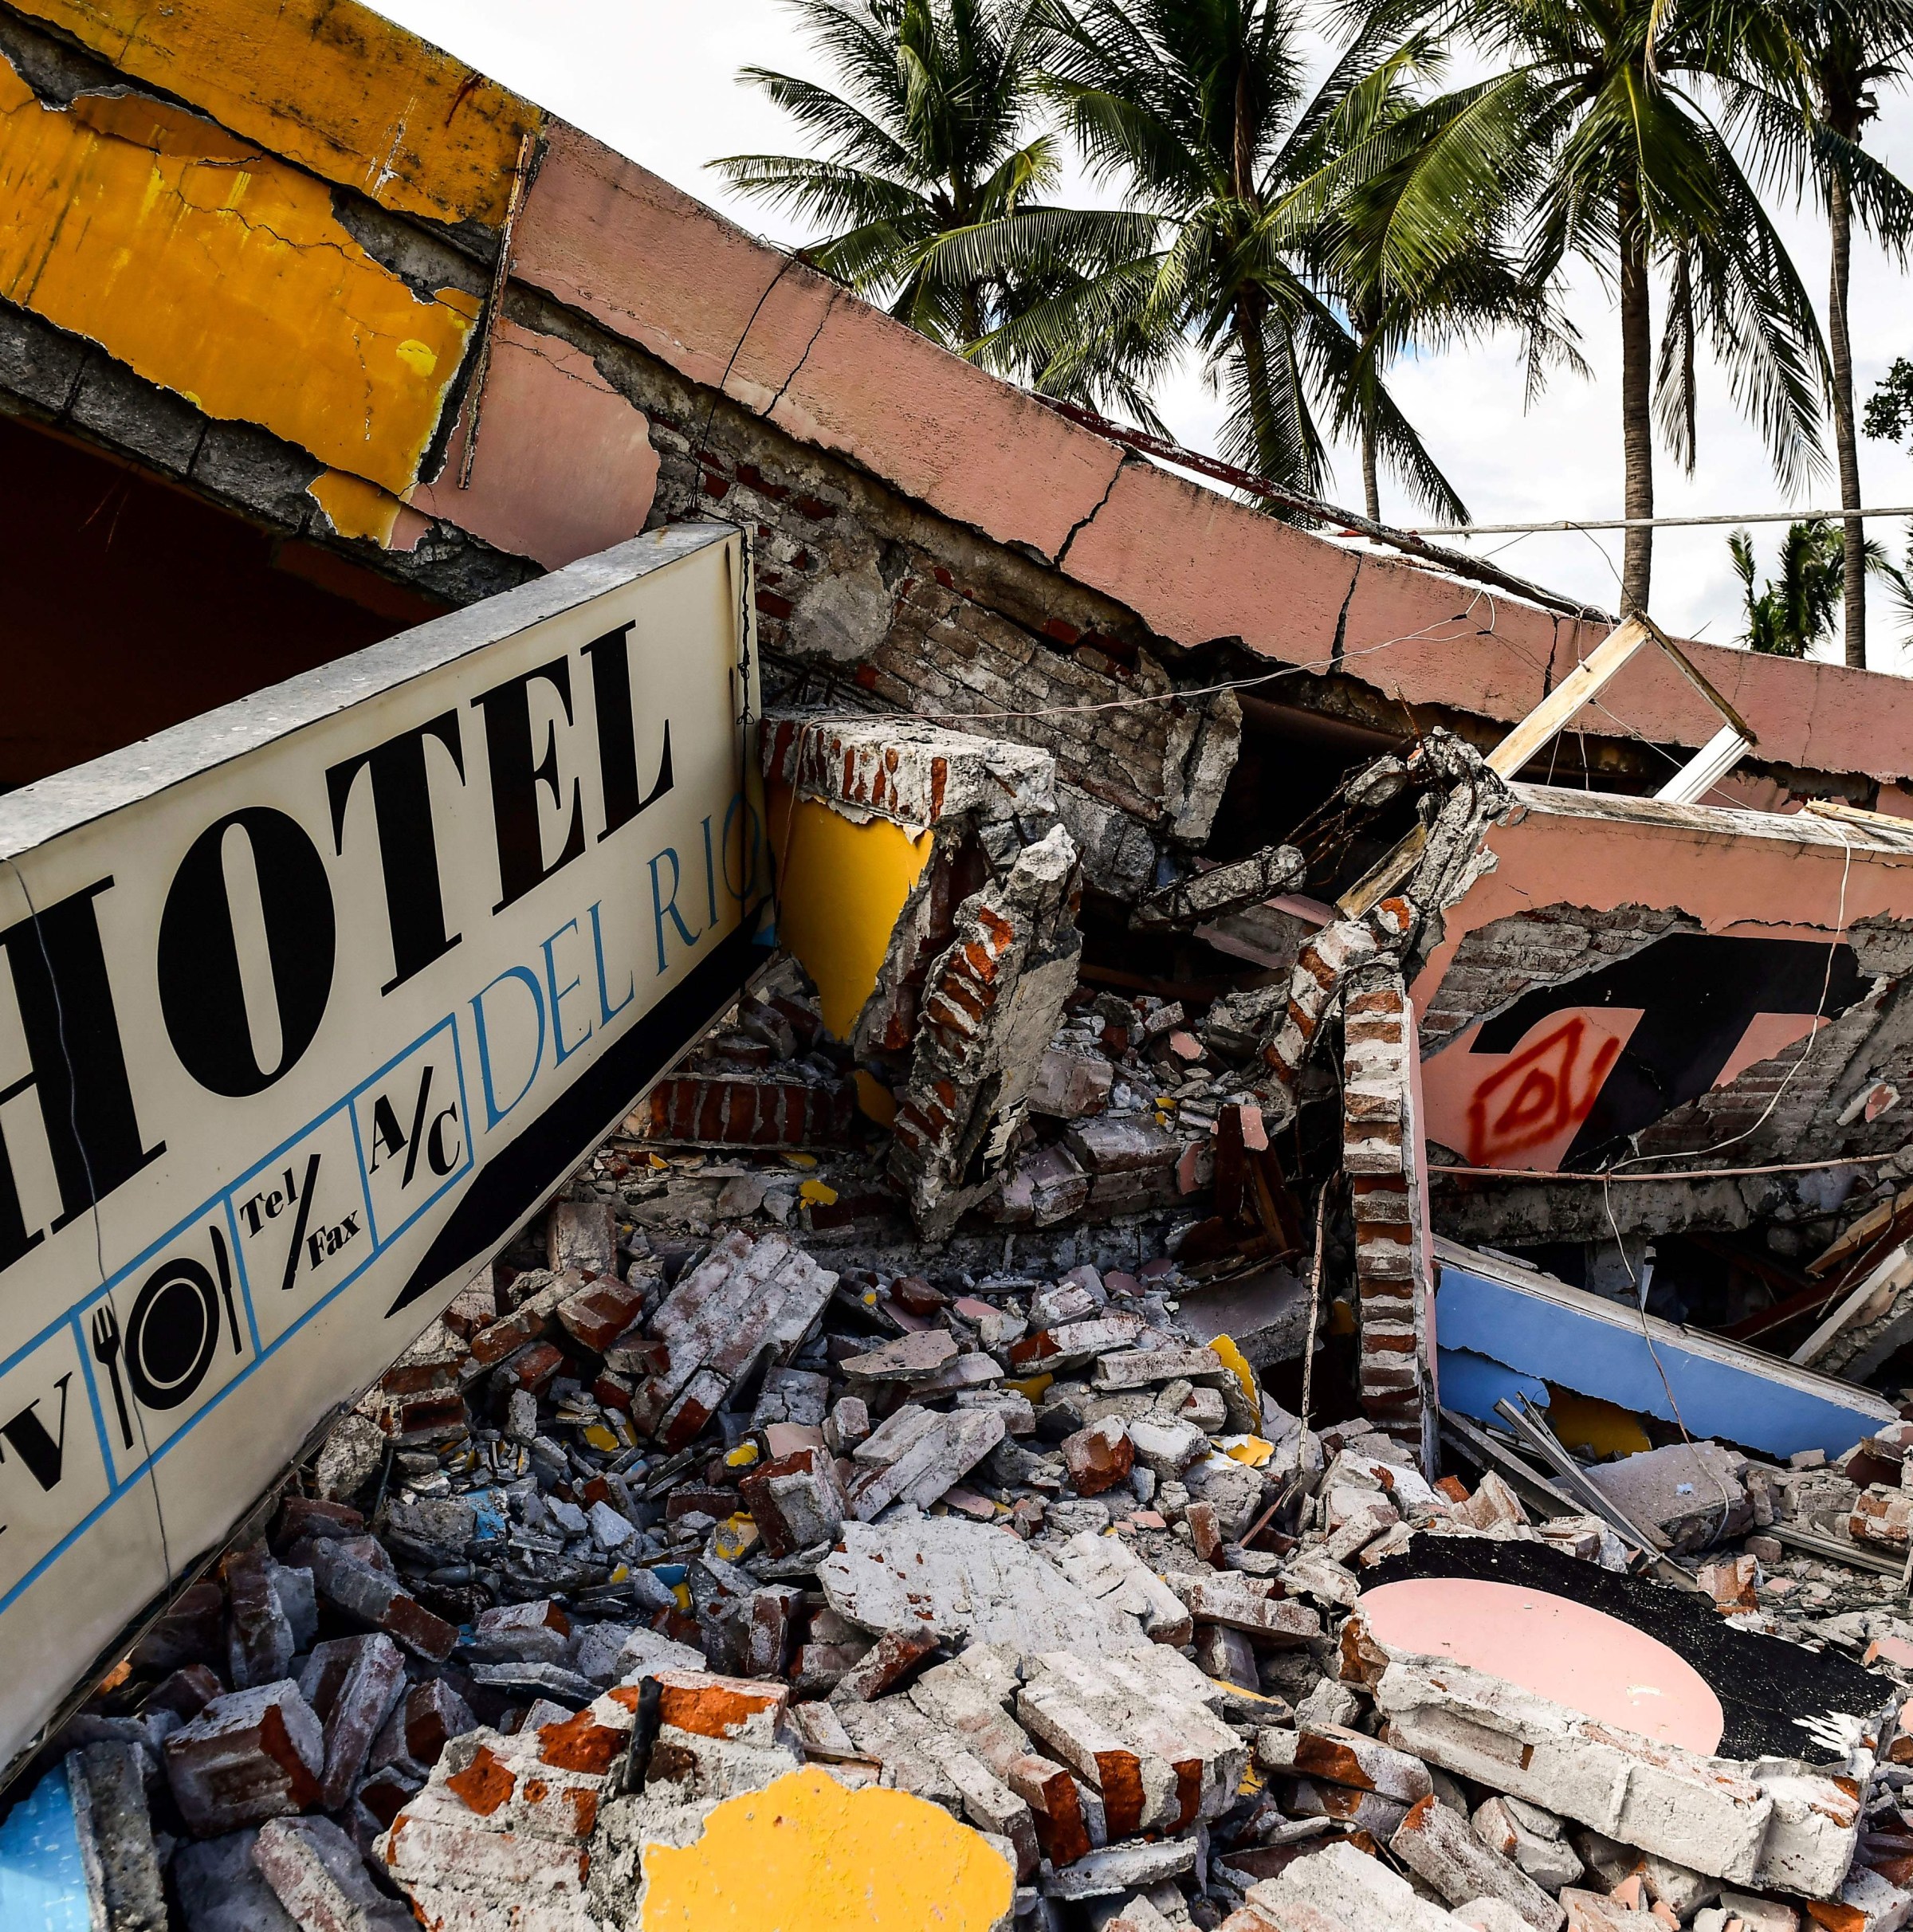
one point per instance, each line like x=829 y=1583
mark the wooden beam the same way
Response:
x=1585 y=682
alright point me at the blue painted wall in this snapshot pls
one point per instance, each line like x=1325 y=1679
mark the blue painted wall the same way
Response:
x=1494 y=1338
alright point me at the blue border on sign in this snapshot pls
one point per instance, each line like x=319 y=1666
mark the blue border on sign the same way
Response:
x=73 y=1320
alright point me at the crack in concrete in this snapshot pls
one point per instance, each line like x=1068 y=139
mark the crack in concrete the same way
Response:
x=1083 y=523
x=797 y=367
x=1342 y=616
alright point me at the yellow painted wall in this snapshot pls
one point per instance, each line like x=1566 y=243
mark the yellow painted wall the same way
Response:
x=840 y=887
x=221 y=274
x=1586 y=1422
x=325 y=83
x=804 y=1854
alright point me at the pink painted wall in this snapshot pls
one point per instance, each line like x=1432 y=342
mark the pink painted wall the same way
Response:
x=565 y=465
x=1732 y=872
x=657 y=267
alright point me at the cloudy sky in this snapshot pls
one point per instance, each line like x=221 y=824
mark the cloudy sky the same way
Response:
x=657 y=81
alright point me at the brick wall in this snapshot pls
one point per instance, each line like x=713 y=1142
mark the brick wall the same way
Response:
x=1381 y=1155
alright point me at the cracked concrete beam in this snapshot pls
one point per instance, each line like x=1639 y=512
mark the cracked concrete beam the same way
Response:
x=188 y=225
x=351 y=96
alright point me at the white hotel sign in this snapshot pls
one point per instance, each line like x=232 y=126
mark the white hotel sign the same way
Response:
x=305 y=1006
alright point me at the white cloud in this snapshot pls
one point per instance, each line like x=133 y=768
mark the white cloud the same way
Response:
x=658 y=82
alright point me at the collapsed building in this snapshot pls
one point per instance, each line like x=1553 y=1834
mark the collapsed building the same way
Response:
x=1302 y=1112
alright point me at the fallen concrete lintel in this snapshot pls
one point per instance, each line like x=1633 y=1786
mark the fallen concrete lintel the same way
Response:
x=1739 y=1822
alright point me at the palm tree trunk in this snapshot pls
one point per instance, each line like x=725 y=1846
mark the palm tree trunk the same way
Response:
x=1637 y=414
x=1854 y=571
x=1255 y=373
x=1371 y=489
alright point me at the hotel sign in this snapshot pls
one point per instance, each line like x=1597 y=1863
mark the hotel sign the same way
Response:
x=305 y=1006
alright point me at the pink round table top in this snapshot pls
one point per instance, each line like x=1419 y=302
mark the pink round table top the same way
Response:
x=1555 y=1646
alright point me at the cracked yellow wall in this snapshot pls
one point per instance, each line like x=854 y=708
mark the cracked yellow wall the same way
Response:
x=220 y=273
x=332 y=86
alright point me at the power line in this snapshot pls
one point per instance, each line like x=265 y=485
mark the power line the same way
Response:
x=1649 y=523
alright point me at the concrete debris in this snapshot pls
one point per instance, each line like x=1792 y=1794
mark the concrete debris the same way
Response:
x=939 y=1467
x=125 y=1888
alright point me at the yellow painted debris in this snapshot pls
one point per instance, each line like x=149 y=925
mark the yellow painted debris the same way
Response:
x=599 y=1437
x=657 y=1161
x=840 y=886
x=804 y=1854
x=878 y=1103
x=820 y=1194
x=800 y=1160
x=621 y=1573
x=735 y=1537
x=214 y=270
x=742 y=1456
x=327 y=83
x=1250 y=1450
x=355 y=507
x=1032 y=1386
x=1232 y=1359
x=1585 y=1421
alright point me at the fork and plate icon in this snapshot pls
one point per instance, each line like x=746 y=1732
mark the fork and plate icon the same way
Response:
x=170 y=1336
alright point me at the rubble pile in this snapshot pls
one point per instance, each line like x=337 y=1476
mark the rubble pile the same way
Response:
x=673 y=1517
x=873 y=1448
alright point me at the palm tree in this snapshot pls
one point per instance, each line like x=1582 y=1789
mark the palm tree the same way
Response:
x=1466 y=295
x=1201 y=110
x=928 y=190
x=1796 y=609
x=1599 y=129
x=1848 y=50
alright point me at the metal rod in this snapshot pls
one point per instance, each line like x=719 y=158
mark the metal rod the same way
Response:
x=1653 y=523
x=1455 y=563
x=494 y=304
x=1536 y=1433
x=1308 y=1347
x=1815 y=1543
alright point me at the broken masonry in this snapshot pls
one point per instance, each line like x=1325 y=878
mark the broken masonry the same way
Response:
x=902 y=1413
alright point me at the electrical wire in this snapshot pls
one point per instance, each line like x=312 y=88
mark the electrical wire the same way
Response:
x=1712 y=518
x=1597 y=1174
x=86 y=1164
